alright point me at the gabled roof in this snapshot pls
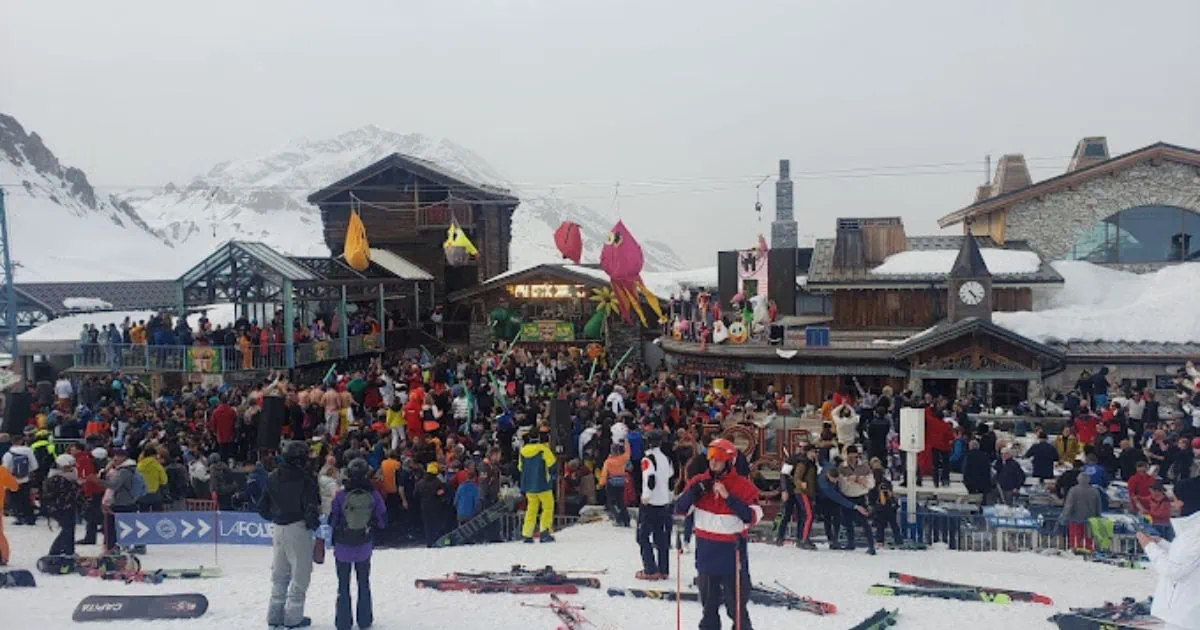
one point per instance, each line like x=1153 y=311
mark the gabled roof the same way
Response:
x=969 y=263
x=270 y=260
x=947 y=331
x=124 y=295
x=459 y=185
x=1157 y=151
x=823 y=274
x=592 y=277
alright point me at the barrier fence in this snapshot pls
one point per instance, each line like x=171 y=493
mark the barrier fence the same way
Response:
x=206 y=359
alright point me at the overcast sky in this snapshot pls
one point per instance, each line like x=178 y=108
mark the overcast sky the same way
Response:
x=686 y=103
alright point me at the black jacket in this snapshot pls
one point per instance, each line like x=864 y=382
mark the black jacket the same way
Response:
x=977 y=472
x=291 y=496
x=1128 y=460
x=1009 y=475
x=1044 y=455
x=431 y=493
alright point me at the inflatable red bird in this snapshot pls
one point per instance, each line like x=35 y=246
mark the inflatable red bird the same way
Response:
x=569 y=241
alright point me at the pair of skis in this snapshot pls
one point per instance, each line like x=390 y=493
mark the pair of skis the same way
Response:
x=569 y=614
x=1124 y=615
x=516 y=580
x=991 y=592
x=760 y=595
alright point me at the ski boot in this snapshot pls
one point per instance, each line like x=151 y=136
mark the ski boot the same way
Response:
x=527 y=540
x=547 y=537
x=807 y=545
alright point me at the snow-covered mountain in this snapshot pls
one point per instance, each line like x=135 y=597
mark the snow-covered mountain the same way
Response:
x=61 y=229
x=263 y=198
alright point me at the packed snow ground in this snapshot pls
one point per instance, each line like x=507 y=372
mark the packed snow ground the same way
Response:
x=238 y=599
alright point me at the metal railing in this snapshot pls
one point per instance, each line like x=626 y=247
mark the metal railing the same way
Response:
x=206 y=359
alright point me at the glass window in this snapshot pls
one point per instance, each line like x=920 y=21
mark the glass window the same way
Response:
x=1094 y=150
x=1145 y=234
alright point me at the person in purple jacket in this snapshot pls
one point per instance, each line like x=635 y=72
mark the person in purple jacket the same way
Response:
x=357 y=511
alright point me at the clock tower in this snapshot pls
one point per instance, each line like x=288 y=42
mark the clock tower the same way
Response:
x=970 y=284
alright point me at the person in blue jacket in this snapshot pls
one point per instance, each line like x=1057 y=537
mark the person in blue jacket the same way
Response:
x=467 y=499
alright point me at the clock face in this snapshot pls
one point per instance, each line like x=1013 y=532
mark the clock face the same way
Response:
x=971 y=293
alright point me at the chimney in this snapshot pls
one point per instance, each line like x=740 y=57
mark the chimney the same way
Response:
x=784 y=229
x=983 y=192
x=882 y=237
x=1011 y=174
x=1089 y=151
x=848 y=249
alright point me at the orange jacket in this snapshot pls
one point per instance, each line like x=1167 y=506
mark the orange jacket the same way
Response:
x=614 y=466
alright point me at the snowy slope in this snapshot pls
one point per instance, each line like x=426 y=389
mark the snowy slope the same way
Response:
x=1098 y=303
x=263 y=198
x=239 y=598
x=61 y=229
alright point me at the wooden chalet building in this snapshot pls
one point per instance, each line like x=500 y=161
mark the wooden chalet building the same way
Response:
x=407 y=203
x=907 y=312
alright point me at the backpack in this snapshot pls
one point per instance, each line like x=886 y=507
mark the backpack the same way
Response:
x=20 y=465
x=137 y=489
x=357 y=511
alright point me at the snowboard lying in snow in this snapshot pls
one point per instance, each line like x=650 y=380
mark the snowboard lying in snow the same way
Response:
x=13 y=579
x=119 y=607
x=881 y=620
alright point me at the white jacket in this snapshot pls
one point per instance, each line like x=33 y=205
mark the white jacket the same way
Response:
x=20 y=450
x=656 y=478
x=1177 y=564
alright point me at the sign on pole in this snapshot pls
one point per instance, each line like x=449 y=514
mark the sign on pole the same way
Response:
x=912 y=441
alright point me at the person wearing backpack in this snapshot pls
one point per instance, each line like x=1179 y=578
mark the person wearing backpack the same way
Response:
x=357 y=513
x=127 y=486
x=21 y=462
x=62 y=499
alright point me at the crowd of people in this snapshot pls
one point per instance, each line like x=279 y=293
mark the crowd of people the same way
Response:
x=111 y=341
x=405 y=451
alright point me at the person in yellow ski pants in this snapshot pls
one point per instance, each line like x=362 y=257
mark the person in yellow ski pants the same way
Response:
x=536 y=465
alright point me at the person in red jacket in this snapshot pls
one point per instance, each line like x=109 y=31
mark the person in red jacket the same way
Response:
x=93 y=490
x=1139 y=485
x=726 y=506
x=1085 y=428
x=224 y=426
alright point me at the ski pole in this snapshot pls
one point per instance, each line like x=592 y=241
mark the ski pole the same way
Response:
x=737 y=584
x=678 y=581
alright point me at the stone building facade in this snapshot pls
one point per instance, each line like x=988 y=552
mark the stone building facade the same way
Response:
x=1052 y=223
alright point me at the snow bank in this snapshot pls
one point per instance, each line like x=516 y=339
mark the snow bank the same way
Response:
x=1101 y=304
x=68 y=328
x=239 y=598
x=86 y=304
x=939 y=261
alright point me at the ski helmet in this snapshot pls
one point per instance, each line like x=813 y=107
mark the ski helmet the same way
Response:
x=65 y=461
x=722 y=450
x=654 y=438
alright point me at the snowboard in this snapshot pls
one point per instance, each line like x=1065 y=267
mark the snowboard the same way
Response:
x=120 y=607
x=64 y=565
x=881 y=619
x=471 y=530
x=18 y=578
